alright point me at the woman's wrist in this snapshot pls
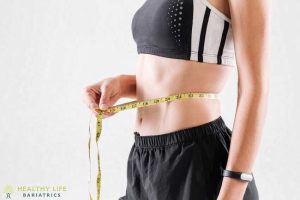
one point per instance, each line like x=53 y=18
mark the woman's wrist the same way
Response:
x=232 y=189
x=127 y=85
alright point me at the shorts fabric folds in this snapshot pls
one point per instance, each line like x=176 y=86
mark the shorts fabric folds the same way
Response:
x=181 y=165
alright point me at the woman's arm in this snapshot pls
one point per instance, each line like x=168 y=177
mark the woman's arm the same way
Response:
x=250 y=25
x=128 y=85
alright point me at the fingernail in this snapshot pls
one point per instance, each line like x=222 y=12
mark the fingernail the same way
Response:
x=103 y=106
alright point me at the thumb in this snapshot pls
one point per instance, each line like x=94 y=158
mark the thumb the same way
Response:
x=104 y=99
x=94 y=107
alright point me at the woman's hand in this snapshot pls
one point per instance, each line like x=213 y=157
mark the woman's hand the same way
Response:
x=103 y=94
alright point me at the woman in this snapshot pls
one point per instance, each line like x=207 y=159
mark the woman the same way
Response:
x=181 y=148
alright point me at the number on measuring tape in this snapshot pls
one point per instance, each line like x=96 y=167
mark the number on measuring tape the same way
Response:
x=178 y=96
x=133 y=105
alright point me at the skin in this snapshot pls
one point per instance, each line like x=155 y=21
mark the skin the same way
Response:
x=160 y=76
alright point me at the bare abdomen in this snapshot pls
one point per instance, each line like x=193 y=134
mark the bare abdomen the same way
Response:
x=159 y=76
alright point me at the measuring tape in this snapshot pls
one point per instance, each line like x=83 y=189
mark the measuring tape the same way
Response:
x=135 y=104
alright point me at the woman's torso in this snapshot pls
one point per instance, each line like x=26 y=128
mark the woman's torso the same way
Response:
x=158 y=76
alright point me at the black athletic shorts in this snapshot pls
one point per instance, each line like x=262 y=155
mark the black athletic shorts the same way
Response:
x=181 y=165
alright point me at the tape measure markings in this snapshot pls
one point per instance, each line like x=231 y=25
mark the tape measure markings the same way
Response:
x=130 y=105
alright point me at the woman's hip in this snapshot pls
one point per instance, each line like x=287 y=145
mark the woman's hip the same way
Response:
x=183 y=164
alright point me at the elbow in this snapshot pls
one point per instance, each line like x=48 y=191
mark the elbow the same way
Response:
x=261 y=90
x=254 y=85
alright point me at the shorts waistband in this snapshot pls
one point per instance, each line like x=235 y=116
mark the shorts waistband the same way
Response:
x=180 y=136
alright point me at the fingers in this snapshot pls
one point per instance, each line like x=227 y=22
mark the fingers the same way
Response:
x=100 y=97
x=94 y=108
x=105 y=97
x=90 y=99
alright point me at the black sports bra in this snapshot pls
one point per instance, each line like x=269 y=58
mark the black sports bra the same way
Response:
x=184 y=29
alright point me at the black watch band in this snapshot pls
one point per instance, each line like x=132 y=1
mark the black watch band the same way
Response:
x=238 y=175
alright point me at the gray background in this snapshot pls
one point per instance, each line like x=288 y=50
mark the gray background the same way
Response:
x=50 y=50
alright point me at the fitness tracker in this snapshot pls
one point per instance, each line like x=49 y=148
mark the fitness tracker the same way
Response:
x=238 y=175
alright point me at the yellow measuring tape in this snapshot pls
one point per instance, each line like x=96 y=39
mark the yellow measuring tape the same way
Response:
x=136 y=104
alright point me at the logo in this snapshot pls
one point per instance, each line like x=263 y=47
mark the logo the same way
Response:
x=8 y=190
x=34 y=191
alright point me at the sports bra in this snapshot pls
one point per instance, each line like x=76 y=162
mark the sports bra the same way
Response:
x=184 y=29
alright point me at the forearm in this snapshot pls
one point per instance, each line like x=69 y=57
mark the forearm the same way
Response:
x=128 y=85
x=247 y=129
x=246 y=137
